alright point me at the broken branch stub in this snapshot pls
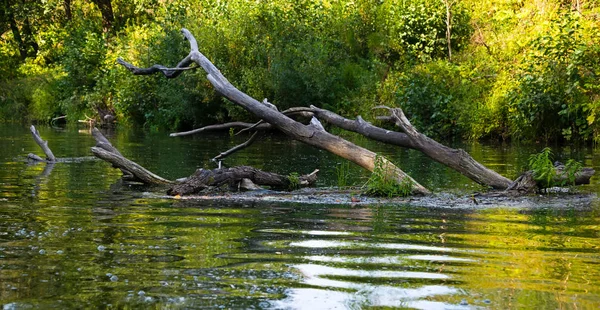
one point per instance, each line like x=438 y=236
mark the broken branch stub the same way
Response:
x=309 y=134
x=43 y=145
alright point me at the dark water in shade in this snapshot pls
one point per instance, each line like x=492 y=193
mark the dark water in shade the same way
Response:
x=74 y=236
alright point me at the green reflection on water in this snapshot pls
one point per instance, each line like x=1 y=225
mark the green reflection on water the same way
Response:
x=74 y=236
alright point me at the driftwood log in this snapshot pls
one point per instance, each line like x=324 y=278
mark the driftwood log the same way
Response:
x=241 y=177
x=526 y=182
x=204 y=179
x=312 y=134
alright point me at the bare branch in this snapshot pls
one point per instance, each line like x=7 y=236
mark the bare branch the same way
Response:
x=168 y=72
x=288 y=112
x=126 y=164
x=237 y=147
x=221 y=127
x=131 y=170
x=43 y=144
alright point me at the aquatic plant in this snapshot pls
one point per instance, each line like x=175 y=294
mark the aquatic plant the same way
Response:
x=542 y=167
x=342 y=172
x=383 y=183
x=294 y=179
x=545 y=172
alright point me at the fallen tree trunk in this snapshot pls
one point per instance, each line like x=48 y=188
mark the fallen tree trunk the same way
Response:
x=204 y=179
x=312 y=134
x=456 y=159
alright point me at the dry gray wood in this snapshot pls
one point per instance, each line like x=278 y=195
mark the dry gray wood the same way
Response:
x=311 y=135
x=123 y=163
x=456 y=159
x=44 y=145
x=224 y=126
x=131 y=170
x=236 y=148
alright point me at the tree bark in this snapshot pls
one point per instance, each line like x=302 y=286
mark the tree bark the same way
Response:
x=310 y=134
x=108 y=17
x=67 y=6
x=203 y=179
x=448 y=5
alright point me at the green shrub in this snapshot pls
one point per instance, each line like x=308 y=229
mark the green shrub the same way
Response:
x=555 y=85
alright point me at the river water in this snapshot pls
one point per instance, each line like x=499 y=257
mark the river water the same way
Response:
x=73 y=236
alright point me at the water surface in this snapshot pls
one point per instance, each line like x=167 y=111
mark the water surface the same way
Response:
x=73 y=236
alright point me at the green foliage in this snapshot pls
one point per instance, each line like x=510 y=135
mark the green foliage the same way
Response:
x=572 y=167
x=383 y=181
x=552 y=95
x=294 y=180
x=543 y=169
x=417 y=29
x=342 y=171
x=523 y=70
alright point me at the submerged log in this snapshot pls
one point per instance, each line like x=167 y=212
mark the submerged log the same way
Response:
x=526 y=182
x=43 y=145
x=311 y=134
x=204 y=179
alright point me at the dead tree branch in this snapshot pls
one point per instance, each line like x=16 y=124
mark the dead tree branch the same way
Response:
x=311 y=135
x=107 y=152
x=222 y=127
x=236 y=148
x=44 y=145
x=170 y=73
x=456 y=159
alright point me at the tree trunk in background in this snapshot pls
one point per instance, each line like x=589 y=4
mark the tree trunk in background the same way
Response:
x=16 y=32
x=448 y=5
x=29 y=39
x=67 y=6
x=108 y=17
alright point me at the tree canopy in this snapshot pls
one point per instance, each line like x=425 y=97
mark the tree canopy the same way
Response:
x=459 y=69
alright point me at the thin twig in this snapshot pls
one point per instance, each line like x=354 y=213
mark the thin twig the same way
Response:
x=236 y=148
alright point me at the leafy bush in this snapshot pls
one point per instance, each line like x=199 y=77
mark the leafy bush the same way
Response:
x=552 y=98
